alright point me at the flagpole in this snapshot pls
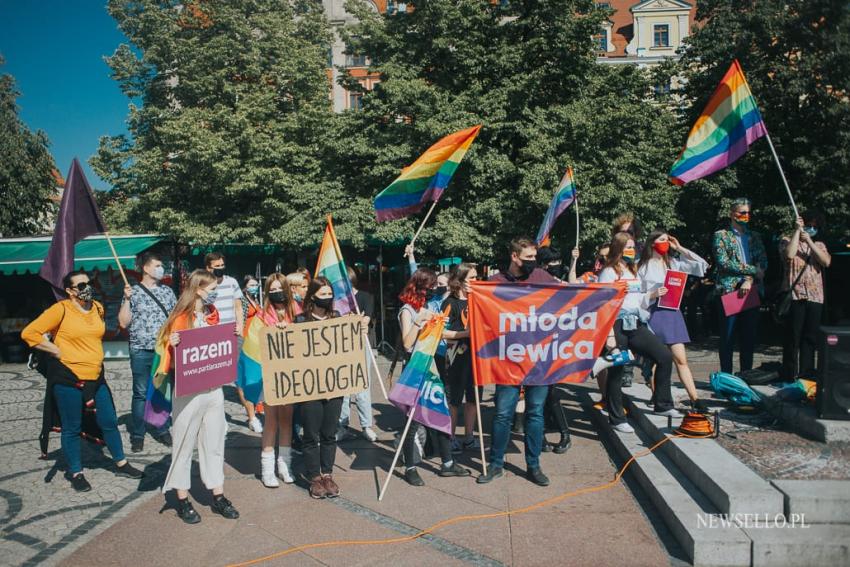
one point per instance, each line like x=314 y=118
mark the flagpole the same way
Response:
x=480 y=431
x=781 y=173
x=422 y=225
x=577 y=227
x=401 y=443
x=117 y=261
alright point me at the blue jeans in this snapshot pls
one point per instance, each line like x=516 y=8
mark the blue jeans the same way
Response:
x=69 y=401
x=506 y=401
x=363 y=401
x=140 y=366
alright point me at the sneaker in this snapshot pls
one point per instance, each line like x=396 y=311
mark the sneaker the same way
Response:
x=129 y=471
x=318 y=490
x=672 y=412
x=331 y=488
x=563 y=444
x=536 y=476
x=187 y=512
x=80 y=484
x=137 y=445
x=624 y=428
x=457 y=449
x=223 y=506
x=454 y=470
x=492 y=474
x=284 y=469
x=255 y=425
x=470 y=444
x=165 y=439
x=370 y=434
x=344 y=434
x=412 y=477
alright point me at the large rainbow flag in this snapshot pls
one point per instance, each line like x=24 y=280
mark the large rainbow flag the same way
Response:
x=564 y=197
x=426 y=179
x=419 y=385
x=249 y=371
x=724 y=131
x=160 y=392
x=332 y=266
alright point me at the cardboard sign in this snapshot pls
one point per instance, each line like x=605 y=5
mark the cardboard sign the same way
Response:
x=205 y=358
x=675 y=283
x=314 y=361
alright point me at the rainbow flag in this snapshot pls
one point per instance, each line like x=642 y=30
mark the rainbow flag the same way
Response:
x=332 y=266
x=724 y=131
x=249 y=372
x=565 y=194
x=426 y=179
x=160 y=387
x=420 y=386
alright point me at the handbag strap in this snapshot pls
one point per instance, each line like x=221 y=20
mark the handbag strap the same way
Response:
x=159 y=303
x=800 y=275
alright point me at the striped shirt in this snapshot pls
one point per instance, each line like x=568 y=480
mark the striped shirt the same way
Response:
x=228 y=291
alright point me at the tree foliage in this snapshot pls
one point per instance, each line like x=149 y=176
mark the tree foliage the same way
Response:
x=27 y=182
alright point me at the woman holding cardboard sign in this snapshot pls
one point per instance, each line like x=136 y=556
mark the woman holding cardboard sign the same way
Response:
x=279 y=311
x=197 y=418
x=656 y=265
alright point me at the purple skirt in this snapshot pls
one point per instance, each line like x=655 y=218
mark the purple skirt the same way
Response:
x=669 y=326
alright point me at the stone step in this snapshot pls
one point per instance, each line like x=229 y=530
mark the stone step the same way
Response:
x=816 y=501
x=819 y=545
x=730 y=485
x=680 y=503
x=803 y=418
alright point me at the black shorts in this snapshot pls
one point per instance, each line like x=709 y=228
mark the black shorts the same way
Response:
x=459 y=381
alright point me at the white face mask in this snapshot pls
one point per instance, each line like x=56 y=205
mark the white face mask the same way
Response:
x=158 y=273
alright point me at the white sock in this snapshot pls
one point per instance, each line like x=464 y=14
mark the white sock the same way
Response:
x=448 y=464
x=285 y=453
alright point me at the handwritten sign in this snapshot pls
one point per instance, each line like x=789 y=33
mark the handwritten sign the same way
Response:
x=205 y=358
x=675 y=283
x=314 y=361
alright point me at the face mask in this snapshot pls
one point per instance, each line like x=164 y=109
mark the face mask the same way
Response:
x=528 y=267
x=323 y=302
x=253 y=290
x=210 y=298
x=555 y=270
x=218 y=272
x=810 y=230
x=661 y=247
x=629 y=255
x=297 y=297
x=277 y=297
x=157 y=273
x=742 y=219
x=432 y=294
x=85 y=294
x=440 y=290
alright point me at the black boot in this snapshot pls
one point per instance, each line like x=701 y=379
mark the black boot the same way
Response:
x=563 y=445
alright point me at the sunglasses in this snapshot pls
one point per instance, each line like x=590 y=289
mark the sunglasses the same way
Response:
x=80 y=286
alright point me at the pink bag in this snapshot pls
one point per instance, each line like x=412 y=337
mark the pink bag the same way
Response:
x=734 y=303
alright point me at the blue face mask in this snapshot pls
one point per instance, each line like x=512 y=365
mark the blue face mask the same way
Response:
x=811 y=231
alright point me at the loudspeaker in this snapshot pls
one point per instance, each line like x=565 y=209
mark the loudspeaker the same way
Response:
x=833 y=395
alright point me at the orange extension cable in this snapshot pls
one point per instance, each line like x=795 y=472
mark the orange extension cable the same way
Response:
x=467 y=518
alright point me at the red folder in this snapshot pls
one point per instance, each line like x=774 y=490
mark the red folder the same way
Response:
x=675 y=283
x=734 y=303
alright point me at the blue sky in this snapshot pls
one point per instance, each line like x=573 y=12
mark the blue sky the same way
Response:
x=55 y=49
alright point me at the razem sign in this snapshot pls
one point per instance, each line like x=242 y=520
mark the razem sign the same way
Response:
x=205 y=359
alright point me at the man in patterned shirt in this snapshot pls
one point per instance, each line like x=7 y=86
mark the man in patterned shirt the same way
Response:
x=144 y=310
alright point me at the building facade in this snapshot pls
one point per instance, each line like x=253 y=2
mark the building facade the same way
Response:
x=644 y=33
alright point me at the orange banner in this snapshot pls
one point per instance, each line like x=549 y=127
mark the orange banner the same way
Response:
x=537 y=334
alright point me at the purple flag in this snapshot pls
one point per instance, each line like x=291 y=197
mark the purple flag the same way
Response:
x=78 y=218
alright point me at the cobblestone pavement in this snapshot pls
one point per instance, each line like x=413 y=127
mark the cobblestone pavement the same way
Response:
x=41 y=518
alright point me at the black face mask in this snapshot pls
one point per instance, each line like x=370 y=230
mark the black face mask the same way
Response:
x=440 y=290
x=323 y=302
x=556 y=270
x=528 y=267
x=218 y=272
x=277 y=297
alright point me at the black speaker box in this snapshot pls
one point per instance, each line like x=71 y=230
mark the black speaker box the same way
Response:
x=833 y=396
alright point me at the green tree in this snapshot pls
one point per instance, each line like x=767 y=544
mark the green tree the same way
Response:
x=796 y=57
x=526 y=70
x=27 y=182
x=234 y=100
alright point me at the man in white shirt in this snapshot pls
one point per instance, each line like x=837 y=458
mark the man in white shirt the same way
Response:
x=229 y=296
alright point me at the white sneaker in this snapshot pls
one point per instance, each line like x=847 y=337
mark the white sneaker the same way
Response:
x=624 y=428
x=370 y=434
x=267 y=470
x=255 y=425
x=283 y=469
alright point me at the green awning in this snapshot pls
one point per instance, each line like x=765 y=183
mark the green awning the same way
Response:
x=26 y=255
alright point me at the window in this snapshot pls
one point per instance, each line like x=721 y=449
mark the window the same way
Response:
x=601 y=40
x=355 y=101
x=355 y=60
x=603 y=5
x=661 y=35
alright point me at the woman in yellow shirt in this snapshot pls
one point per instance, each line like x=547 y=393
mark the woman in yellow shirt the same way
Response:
x=76 y=385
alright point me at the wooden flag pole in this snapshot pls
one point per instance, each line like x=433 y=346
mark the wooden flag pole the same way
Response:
x=374 y=361
x=117 y=261
x=480 y=430
x=401 y=442
x=422 y=225
x=782 y=174
x=577 y=227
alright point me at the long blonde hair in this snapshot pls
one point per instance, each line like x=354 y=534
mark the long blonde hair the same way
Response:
x=199 y=279
x=287 y=292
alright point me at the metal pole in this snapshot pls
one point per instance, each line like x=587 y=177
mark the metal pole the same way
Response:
x=782 y=174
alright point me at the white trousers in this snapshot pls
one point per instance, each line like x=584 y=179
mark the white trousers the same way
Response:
x=198 y=418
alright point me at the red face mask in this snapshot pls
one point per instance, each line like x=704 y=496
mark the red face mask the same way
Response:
x=661 y=247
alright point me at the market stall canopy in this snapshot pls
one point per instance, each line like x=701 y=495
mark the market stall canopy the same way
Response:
x=26 y=255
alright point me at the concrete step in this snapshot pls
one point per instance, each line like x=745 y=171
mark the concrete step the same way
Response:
x=684 y=508
x=816 y=501
x=730 y=485
x=803 y=418
x=820 y=545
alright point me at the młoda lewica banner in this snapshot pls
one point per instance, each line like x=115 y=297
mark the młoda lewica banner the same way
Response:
x=534 y=334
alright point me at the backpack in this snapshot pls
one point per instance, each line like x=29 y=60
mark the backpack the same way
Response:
x=734 y=389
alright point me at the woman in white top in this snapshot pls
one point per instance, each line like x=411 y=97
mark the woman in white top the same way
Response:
x=668 y=324
x=631 y=332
